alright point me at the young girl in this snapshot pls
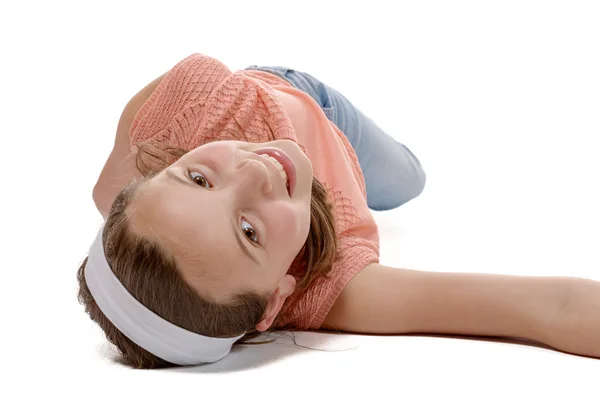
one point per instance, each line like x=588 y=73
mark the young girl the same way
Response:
x=238 y=202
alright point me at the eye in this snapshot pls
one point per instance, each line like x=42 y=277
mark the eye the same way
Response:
x=199 y=179
x=249 y=231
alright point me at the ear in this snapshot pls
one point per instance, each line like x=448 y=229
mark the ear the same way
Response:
x=284 y=289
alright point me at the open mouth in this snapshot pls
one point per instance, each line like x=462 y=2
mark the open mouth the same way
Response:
x=280 y=168
x=283 y=164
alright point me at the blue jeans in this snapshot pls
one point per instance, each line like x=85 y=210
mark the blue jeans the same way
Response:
x=393 y=175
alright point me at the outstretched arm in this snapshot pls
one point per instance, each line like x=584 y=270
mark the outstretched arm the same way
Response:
x=561 y=312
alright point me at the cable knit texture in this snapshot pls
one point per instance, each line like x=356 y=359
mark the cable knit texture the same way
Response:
x=200 y=100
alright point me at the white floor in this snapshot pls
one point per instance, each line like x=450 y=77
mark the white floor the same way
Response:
x=500 y=103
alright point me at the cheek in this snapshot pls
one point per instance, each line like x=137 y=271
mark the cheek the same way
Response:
x=286 y=223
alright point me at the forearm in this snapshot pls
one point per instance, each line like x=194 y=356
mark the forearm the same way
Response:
x=489 y=305
x=562 y=312
x=559 y=311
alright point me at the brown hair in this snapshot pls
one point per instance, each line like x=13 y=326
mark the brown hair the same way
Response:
x=145 y=269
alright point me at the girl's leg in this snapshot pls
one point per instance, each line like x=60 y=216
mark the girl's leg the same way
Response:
x=393 y=174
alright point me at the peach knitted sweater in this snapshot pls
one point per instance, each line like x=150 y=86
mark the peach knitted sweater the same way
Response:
x=200 y=100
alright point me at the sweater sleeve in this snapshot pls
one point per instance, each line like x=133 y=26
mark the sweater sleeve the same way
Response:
x=309 y=309
x=168 y=114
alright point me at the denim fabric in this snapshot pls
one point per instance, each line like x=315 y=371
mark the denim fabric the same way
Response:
x=393 y=175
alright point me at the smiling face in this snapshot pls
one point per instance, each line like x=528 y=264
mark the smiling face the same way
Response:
x=225 y=211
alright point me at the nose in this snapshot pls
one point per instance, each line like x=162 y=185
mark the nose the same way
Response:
x=252 y=178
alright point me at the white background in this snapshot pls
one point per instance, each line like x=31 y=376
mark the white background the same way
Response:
x=499 y=100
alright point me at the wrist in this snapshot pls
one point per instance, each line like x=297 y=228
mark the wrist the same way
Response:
x=574 y=326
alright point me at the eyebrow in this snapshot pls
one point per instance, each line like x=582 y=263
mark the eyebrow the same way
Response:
x=173 y=175
x=236 y=233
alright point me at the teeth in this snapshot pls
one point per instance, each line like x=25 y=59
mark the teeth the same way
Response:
x=278 y=166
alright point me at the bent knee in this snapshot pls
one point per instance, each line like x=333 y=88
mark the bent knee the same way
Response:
x=396 y=194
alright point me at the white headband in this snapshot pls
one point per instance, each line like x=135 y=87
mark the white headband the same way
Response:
x=149 y=331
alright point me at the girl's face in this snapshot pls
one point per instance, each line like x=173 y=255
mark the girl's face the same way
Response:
x=231 y=218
